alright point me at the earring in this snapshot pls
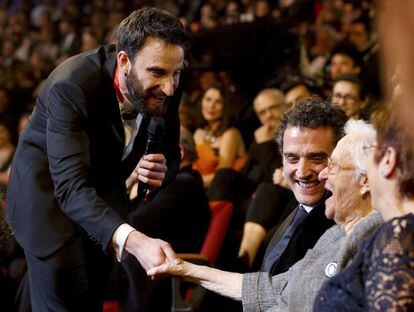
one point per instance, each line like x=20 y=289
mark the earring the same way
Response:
x=364 y=190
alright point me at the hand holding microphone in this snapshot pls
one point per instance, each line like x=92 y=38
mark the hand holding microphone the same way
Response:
x=152 y=167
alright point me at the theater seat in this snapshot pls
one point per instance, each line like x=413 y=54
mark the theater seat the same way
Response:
x=221 y=212
x=110 y=306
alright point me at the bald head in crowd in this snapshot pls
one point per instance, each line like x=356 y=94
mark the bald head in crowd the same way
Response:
x=268 y=106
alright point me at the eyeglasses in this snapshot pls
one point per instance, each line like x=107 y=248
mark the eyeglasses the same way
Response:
x=346 y=97
x=333 y=167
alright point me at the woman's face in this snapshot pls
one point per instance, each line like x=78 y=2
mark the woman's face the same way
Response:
x=212 y=105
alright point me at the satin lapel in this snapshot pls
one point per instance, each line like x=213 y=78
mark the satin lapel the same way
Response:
x=114 y=113
x=283 y=227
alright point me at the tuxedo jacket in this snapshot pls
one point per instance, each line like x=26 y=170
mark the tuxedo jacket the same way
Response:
x=67 y=174
x=304 y=237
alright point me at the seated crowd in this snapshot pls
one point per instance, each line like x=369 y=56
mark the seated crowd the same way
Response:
x=319 y=172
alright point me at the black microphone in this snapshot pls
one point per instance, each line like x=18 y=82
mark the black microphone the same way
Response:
x=155 y=135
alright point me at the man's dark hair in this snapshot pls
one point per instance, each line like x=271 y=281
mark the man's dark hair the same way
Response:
x=354 y=79
x=349 y=51
x=294 y=81
x=149 y=22
x=312 y=113
x=364 y=21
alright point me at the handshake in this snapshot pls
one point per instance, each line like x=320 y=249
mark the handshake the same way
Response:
x=158 y=259
x=156 y=256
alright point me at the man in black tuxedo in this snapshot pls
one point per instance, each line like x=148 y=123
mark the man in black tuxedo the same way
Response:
x=306 y=137
x=67 y=200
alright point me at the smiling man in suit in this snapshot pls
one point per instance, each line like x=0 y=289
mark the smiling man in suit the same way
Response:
x=306 y=137
x=67 y=201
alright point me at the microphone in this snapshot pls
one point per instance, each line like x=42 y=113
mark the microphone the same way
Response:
x=155 y=135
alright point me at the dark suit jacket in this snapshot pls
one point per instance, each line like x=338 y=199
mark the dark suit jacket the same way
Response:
x=67 y=172
x=304 y=238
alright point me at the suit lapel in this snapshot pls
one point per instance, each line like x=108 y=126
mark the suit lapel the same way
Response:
x=282 y=228
x=114 y=113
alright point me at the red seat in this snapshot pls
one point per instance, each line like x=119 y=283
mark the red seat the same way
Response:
x=221 y=212
x=110 y=306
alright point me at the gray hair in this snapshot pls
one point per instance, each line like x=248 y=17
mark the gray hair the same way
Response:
x=365 y=134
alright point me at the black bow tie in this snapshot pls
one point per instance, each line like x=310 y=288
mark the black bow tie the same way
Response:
x=130 y=114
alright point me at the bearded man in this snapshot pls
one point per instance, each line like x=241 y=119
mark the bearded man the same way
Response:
x=67 y=198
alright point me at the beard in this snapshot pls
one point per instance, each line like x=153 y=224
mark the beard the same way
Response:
x=139 y=97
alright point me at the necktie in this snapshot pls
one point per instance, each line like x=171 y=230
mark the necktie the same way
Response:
x=274 y=255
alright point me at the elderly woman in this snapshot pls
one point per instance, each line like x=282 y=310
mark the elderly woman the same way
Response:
x=381 y=276
x=296 y=289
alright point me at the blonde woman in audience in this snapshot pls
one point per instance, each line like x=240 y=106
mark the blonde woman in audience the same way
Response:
x=219 y=145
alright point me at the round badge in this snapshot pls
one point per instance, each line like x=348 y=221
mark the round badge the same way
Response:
x=330 y=269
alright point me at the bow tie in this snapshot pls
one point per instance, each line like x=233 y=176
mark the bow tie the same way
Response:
x=130 y=114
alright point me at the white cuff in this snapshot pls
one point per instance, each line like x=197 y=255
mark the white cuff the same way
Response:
x=119 y=239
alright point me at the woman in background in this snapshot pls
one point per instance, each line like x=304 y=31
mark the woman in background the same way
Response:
x=219 y=145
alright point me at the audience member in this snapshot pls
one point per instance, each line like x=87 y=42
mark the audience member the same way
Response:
x=344 y=59
x=295 y=89
x=70 y=41
x=348 y=93
x=312 y=63
x=8 y=115
x=219 y=145
x=366 y=42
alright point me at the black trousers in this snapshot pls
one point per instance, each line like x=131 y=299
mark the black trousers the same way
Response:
x=74 y=278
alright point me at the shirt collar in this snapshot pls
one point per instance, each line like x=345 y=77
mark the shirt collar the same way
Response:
x=308 y=208
x=124 y=104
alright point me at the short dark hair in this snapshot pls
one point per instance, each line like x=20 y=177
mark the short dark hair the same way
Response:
x=391 y=132
x=350 y=51
x=312 y=113
x=353 y=78
x=364 y=21
x=149 y=22
x=294 y=81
